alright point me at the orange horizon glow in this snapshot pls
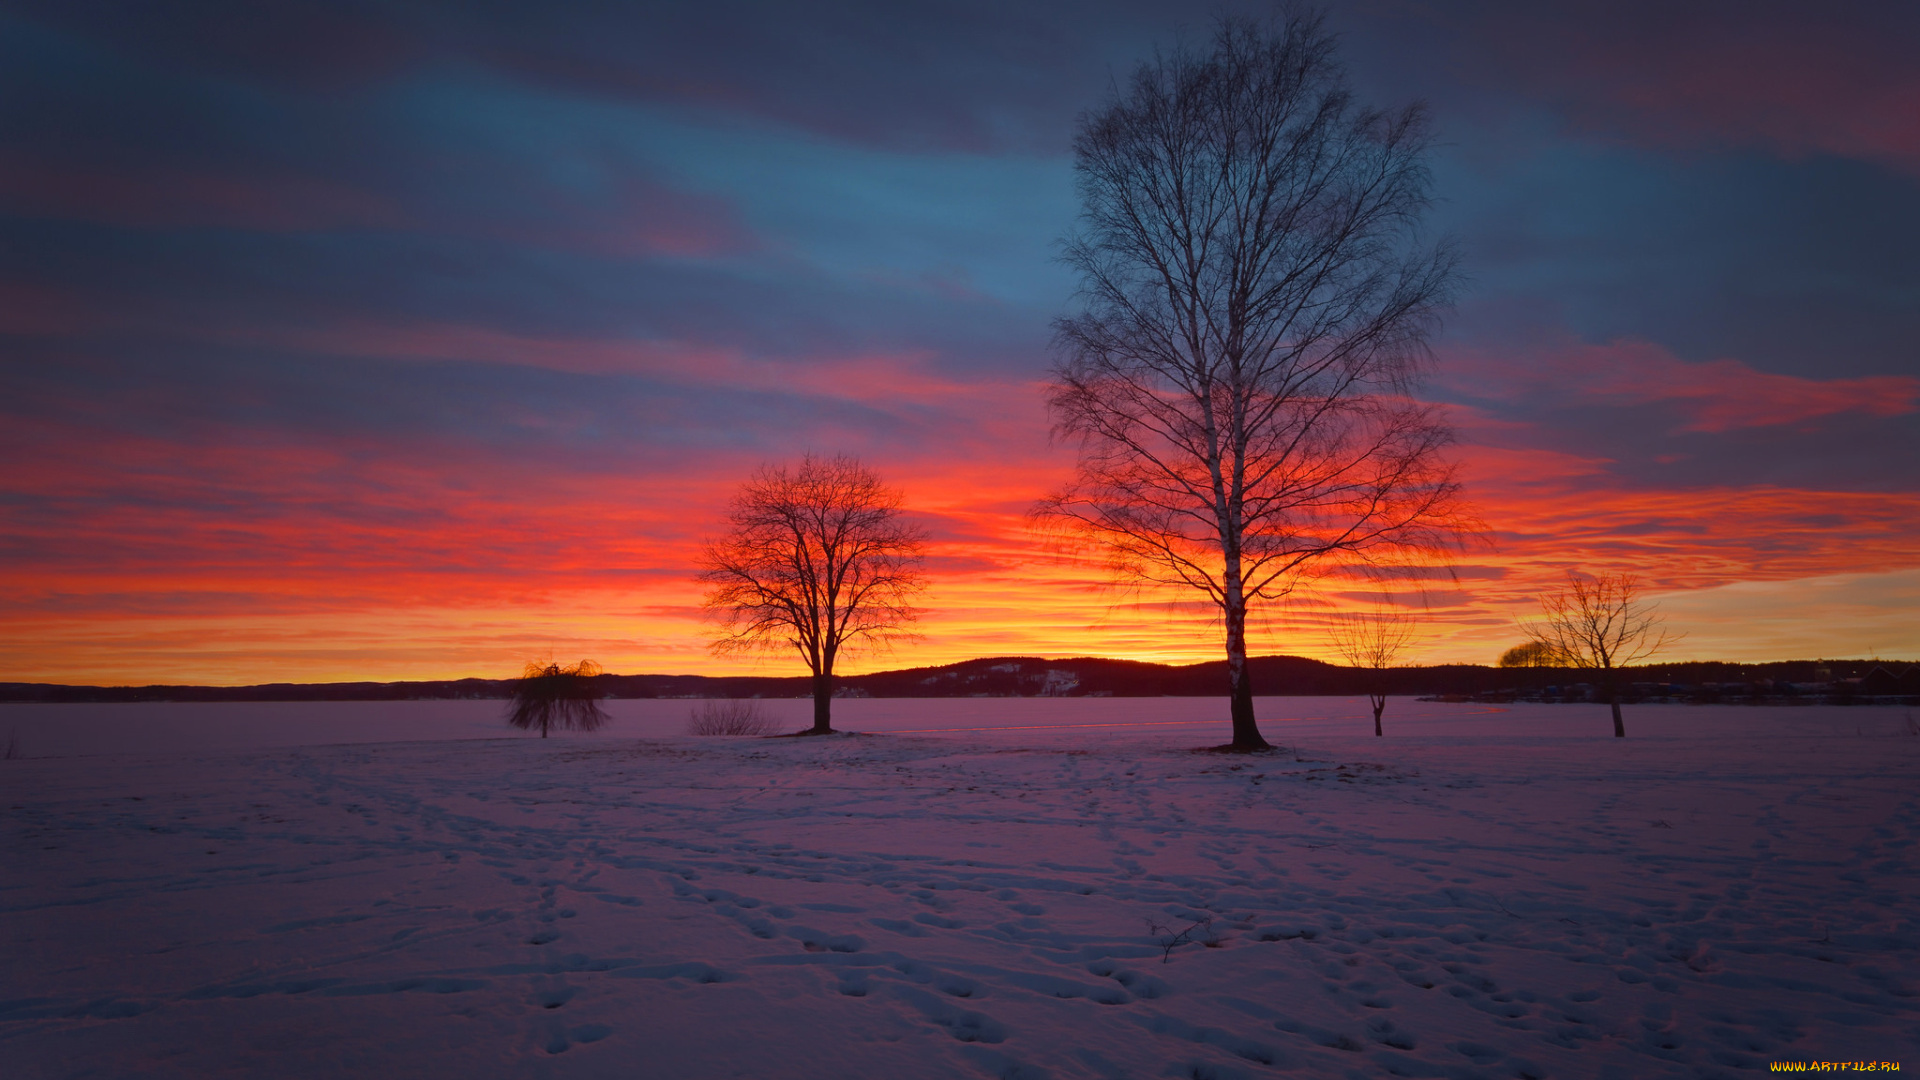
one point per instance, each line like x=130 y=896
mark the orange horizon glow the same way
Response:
x=446 y=569
x=343 y=344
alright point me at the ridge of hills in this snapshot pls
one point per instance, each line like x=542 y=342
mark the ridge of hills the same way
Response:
x=1027 y=676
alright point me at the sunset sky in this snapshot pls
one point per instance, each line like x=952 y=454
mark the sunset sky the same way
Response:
x=416 y=340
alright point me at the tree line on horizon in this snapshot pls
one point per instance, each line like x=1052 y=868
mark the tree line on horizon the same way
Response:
x=1838 y=681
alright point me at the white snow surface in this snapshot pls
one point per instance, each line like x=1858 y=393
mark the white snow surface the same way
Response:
x=986 y=888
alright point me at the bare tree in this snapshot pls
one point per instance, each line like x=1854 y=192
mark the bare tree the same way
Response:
x=1600 y=623
x=552 y=696
x=818 y=559
x=1256 y=304
x=1372 y=642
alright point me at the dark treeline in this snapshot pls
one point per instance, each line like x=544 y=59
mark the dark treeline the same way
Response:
x=1093 y=677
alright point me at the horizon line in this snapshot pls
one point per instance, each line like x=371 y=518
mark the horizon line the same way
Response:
x=1881 y=661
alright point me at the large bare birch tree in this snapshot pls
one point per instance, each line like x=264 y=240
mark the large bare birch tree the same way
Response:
x=1256 y=301
x=817 y=559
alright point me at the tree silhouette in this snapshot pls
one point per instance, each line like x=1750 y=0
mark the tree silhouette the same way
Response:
x=550 y=696
x=1529 y=654
x=1372 y=642
x=1599 y=622
x=1256 y=307
x=817 y=559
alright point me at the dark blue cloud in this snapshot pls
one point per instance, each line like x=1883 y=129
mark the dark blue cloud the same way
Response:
x=1805 y=267
x=937 y=76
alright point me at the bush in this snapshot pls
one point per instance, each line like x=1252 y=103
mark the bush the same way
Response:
x=733 y=716
x=551 y=696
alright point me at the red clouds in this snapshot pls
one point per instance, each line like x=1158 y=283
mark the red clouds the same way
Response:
x=242 y=555
x=1712 y=396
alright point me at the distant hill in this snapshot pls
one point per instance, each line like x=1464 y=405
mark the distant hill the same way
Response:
x=1028 y=676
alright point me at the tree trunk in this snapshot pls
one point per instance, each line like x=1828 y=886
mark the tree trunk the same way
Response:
x=1379 y=706
x=1613 y=699
x=822 y=703
x=1246 y=733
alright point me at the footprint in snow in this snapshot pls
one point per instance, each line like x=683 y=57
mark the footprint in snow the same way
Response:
x=900 y=926
x=963 y=1024
x=560 y=1040
x=819 y=941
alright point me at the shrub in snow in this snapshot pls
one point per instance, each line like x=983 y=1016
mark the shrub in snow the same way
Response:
x=551 y=696
x=730 y=717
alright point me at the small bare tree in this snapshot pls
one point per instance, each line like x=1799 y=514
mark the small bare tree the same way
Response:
x=1372 y=642
x=552 y=696
x=1256 y=304
x=818 y=559
x=1600 y=623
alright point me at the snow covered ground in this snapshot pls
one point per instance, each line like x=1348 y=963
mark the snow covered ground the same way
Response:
x=990 y=888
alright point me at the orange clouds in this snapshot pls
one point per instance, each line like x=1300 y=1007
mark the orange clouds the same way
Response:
x=243 y=556
x=420 y=348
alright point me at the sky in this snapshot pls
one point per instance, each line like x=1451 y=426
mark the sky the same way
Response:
x=416 y=340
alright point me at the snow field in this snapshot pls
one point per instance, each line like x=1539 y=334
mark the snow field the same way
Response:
x=1063 y=904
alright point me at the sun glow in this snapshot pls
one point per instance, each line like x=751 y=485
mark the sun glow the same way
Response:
x=332 y=568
